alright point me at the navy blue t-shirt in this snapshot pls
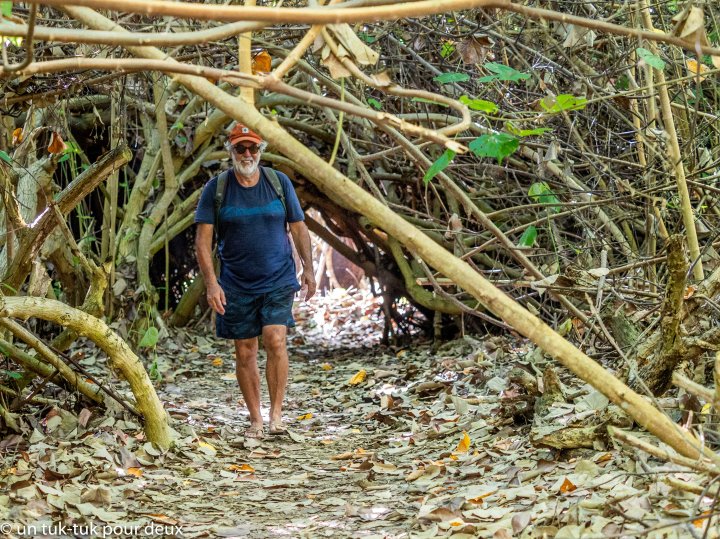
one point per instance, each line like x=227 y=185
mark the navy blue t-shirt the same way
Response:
x=254 y=247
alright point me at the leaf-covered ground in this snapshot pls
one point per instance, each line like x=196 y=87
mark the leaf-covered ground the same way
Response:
x=410 y=442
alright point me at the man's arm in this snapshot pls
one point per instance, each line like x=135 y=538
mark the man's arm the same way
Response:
x=301 y=239
x=203 y=249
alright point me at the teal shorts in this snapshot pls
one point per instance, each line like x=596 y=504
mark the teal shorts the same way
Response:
x=247 y=314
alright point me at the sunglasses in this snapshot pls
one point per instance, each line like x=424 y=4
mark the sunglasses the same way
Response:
x=241 y=148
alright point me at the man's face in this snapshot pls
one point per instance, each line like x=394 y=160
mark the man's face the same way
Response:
x=245 y=157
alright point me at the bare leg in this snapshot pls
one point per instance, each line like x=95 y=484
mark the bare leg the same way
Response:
x=248 y=377
x=274 y=341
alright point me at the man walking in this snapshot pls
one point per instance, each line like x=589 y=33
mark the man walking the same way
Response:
x=250 y=206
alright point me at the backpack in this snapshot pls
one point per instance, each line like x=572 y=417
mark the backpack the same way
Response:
x=221 y=191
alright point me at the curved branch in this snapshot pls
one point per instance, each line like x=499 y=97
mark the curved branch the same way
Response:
x=82 y=35
x=334 y=15
x=241 y=79
x=119 y=355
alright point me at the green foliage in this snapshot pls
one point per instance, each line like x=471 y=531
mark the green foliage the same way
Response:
x=5 y=157
x=177 y=125
x=447 y=49
x=70 y=148
x=623 y=83
x=439 y=165
x=526 y=132
x=445 y=78
x=479 y=104
x=650 y=59
x=374 y=103
x=541 y=193
x=12 y=374
x=528 y=237
x=563 y=102
x=150 y=338
x=497 y=145
x=503 y=72
x=6 y=8
x=367 y=38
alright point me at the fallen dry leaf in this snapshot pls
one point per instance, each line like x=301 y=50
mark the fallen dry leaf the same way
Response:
x=262 y=62
x=464 y=444
x=567 y=486
x=56 y=145
x=358 y=378
x=694 y=67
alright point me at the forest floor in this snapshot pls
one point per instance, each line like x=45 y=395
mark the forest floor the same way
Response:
x=384 y=443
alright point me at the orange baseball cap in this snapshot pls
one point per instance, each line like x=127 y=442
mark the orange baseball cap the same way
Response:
x=241 y=132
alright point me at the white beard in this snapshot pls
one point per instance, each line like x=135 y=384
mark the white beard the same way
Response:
x=244 y=168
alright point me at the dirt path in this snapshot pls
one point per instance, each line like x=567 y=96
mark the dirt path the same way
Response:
x=423 y=444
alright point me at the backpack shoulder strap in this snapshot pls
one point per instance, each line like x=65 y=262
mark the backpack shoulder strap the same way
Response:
x=274 y=180
x=220 y=192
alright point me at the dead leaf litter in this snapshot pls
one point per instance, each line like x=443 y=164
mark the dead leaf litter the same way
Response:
x=384 y=443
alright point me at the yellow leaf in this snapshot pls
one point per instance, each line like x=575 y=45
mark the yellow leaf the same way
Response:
x=305 y=417
x=262 y=62
x=359 y=378
x=694 y=67
x=700 y=522
x=240 y=468
x=207 y=446
x=137 y=472
x=464 y=444
x=56 y=145
x=17 y=136
x=217 y=361
x=567 y=486
x=326 y=366
x=706 y=409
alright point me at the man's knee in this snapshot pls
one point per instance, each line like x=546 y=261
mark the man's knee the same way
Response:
x=274 y=338
x=246 y=351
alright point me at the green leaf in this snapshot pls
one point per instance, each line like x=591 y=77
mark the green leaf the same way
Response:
x=447 y=49
x=71 y=147
x=64 y=157
x=423 y=100
x=497 y=145
x=541 y=193
x=479 y=104
x=650 y=59
x=528 y=237
x=5 y=157
x=451 y=77
x=150 y=338
x=374 y=103
x=177 y=125
x=503 y=72
x=623 y=83
x=12 y=374
x=439 y=165
x=526 y=132
x=367 y=38
x=6 y=8
x=563 y=102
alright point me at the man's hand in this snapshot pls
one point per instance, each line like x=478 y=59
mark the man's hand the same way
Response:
x=216 y=298
x=307 y=281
